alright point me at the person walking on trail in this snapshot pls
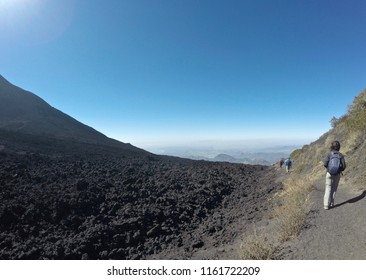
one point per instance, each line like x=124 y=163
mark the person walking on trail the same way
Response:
x=281 y=162
x=288 y=164
x=335 y=164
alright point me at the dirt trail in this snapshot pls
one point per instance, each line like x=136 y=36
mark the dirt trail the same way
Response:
x=335 y=234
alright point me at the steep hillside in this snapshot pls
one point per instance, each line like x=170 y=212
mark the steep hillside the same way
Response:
x=304 y=229
x=350 y=130
x=333 y=234
x=27 y=118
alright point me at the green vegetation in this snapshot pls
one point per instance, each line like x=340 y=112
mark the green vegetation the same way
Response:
x=356 y=118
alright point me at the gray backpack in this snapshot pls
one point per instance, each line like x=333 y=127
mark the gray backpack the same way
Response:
x=335 y=163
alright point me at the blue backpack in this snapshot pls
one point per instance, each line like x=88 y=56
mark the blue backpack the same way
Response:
x=335 y=164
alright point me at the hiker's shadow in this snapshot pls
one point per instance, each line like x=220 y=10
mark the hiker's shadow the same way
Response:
x=352 y=200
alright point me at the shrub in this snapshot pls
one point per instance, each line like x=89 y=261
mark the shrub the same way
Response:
x=257 y=247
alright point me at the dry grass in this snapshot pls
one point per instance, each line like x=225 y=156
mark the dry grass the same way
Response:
x=257 y=247
x=293 y=209
x=293 y=205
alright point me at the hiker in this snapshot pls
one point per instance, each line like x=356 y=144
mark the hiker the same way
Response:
x=288 y=164
x=335 y=164
x=281 y=162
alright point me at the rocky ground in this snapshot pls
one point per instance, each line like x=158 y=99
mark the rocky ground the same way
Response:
x=112 y=207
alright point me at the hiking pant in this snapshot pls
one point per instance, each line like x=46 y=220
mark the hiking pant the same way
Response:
x=331 y=185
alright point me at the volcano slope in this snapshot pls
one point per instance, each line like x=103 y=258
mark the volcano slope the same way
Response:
x=105 y=205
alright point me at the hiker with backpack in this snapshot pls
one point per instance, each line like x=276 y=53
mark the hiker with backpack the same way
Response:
x=288 y=164
x=335 y=164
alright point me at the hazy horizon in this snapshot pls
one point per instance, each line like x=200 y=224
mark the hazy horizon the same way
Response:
x=255 y=145
x=259 y=149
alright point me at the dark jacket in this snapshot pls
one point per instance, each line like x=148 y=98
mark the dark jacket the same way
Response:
x=343 y=162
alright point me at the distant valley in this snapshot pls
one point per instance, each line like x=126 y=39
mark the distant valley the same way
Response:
x=266 y=156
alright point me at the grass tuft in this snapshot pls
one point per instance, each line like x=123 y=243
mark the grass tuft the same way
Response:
x=257 y=247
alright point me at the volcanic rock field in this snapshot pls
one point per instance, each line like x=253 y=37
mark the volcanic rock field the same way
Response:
x=95 y=206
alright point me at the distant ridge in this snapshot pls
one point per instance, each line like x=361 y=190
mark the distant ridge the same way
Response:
x=245 y=160
x=24 y=112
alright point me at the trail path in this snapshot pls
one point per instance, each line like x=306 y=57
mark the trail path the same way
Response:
x=335 y=234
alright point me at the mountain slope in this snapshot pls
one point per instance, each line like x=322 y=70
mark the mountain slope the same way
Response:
x=334 y=234
x=350 y=130
x=24 y=112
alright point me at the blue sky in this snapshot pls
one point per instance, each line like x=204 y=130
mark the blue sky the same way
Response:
x=189 y=72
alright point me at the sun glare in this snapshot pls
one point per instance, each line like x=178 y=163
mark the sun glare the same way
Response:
x=33 y=22
x=8 y=2
x=15 y=4
x=14 y=11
